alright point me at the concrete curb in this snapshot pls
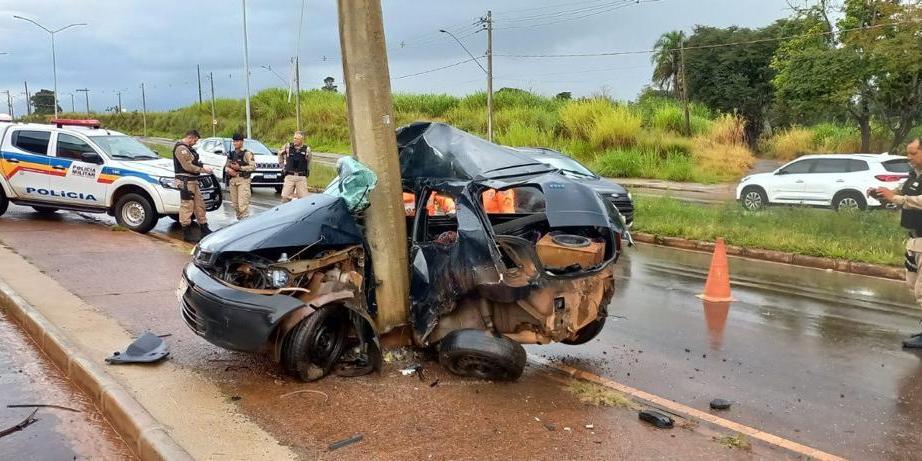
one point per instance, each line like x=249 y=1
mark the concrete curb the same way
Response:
x=839 y=265
x=146 y=438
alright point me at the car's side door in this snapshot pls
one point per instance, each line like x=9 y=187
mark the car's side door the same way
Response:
x=82 y=165
x=787 y=184
x=212 y=153
x=828 y=176
x=24 y=163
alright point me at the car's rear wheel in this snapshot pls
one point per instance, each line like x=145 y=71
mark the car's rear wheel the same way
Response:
x=45 y=209
x=135 y=212
x=849 y=200
x=753 y=198
x=316 y=343
x=480 y=354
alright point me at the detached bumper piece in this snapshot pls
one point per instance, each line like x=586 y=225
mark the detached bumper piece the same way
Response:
x=149 y=348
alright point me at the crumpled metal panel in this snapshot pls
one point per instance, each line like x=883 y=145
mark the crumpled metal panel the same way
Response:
x=356 y=181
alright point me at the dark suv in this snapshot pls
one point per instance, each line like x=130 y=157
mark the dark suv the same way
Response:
x=296 y=281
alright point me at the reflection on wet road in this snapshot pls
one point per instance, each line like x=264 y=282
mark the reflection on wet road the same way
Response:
x=810 y=355
x=27 y=377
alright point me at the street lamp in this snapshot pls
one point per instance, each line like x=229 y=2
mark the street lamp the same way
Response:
x=246 y=67
x=270 y=69
x=489 y=85
x=54 y=64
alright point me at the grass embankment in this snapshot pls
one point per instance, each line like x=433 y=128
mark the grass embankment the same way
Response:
x=619 y=139
x=865 y=236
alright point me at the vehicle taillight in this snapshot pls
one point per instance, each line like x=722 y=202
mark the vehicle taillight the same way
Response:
x=890 y=177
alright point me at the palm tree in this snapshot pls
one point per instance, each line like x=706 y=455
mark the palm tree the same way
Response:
x=666 y=61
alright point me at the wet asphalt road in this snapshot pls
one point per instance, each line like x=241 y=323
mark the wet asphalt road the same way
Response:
x=27 y=377
x=808 y=355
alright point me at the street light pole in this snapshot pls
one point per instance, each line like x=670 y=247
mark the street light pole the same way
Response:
x=54 y=63
x=246 y=68
x=86 y=92
x=485 y=70
x=270 y=69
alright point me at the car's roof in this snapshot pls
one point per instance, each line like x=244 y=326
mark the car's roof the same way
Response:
x=872 y=157
x=87 y=131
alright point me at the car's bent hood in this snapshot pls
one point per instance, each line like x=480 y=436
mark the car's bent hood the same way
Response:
x=601 y=185
x=294 y=224
x=263 y=158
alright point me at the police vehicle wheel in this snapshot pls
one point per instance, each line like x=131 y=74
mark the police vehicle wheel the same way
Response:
x=849 y=200
x=753 y=198
x=135 y=212
x=45 y=209
x=587 y=333
x=4 y=202
x=314 y=346
x=478 y=353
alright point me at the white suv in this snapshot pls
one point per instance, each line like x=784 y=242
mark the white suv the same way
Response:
x=268 y=171
x=76 y=165
x=837 y=181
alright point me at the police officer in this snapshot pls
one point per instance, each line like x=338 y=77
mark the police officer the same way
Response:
x=295 y=160
x=188 y=167
x=240 y=165
x=908 y=197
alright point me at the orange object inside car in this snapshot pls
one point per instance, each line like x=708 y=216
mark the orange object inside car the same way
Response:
x=561 y=251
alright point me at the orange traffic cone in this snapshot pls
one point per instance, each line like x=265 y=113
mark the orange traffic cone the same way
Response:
x=717 y=287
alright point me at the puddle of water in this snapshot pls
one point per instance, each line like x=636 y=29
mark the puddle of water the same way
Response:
x=28 y=377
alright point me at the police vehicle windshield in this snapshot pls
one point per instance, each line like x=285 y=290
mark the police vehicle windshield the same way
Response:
x=124 y=148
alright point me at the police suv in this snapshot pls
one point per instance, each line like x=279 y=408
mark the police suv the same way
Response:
x=77 y=165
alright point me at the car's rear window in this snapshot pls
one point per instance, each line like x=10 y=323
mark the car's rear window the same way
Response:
x=897 y=166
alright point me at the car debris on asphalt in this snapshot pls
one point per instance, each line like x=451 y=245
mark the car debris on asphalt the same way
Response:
x=148 y=348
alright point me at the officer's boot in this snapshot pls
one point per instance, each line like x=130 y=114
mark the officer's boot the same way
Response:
x=205 y=230
x=187 y=234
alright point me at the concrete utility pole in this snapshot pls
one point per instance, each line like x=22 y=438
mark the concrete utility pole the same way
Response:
x=297 y=63
x=9 y=103
x=54 y=63
x=214 y=119
x=144 y=109
x=198 y=70
x=684 y=88
x=73 y=104
x=371 y=122
x=246 y=68
x=28 y=99
x=86 y=92
x=489 y=21
x=119 y=107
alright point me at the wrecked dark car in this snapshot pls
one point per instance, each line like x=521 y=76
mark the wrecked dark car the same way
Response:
x=503 y=251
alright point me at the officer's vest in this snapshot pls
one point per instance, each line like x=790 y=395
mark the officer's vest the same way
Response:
x=177 y=167
x=297 y=161
x=909 y=218
x=240 y=158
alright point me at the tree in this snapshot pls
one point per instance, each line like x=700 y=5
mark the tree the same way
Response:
x=866 y=65
x=665 y=60
x=564 y=95
x=328 y=85
x=729 y=70
x=43 y=102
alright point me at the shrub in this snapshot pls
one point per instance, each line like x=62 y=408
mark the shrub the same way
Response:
x=578 y=117
x=727 y=129
x=791 y=144
x=617 y=127
x=519 y=134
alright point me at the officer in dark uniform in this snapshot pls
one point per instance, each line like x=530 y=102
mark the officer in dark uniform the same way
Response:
x=908 y=197
x=188 y=167
x=295 y=160
x=240 y=164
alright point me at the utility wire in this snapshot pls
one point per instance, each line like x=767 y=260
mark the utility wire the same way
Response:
x=437 y=68
x=607 y=9
x=558 y=14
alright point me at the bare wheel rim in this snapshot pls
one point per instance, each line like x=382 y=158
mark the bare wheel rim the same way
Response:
x=753 y=200
x=849 y=203
x=133 y=214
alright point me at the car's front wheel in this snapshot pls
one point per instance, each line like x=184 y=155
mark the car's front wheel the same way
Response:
x=4 y=202
x=753 y=198
x=849 y=200
x=44 y=209
x=135 y=212
x=316 y=343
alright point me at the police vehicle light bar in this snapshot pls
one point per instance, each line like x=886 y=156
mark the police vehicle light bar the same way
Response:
x=61 y=122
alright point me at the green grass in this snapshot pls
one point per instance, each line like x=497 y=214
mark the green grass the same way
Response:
x=321 y=175
x=599 y=396
x=866 y=236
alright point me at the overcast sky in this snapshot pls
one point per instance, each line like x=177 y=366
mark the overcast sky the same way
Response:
x=160 y=42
